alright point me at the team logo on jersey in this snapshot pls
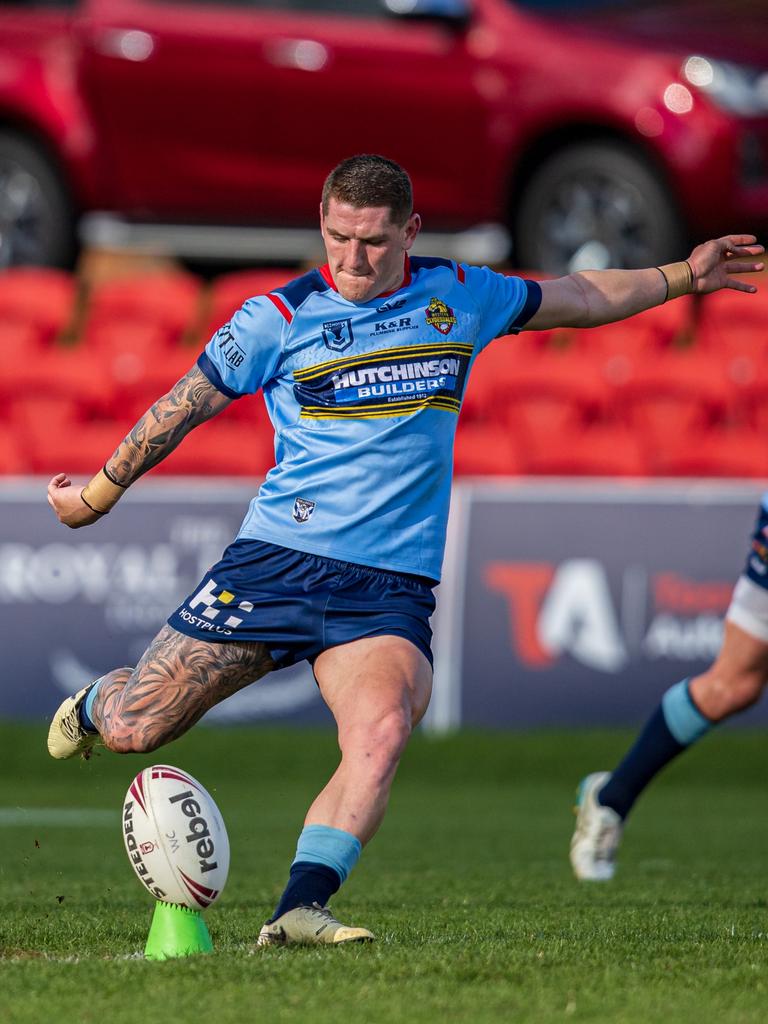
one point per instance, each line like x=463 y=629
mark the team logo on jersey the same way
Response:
x=337 y=335
x=302 y=510
x=440 y=316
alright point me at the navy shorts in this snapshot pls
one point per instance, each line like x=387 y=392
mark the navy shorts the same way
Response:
x=757 y=560
x=300 y=604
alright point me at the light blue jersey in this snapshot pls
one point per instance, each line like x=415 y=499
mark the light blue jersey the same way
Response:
x=364 y=399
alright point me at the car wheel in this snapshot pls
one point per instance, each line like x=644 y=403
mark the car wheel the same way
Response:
x=593 y=206
x=36 y=222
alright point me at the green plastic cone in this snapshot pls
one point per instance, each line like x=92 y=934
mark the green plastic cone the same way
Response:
x=176 y=931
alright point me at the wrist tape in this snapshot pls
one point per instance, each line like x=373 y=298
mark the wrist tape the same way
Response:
x=102 y=493
x=679 y=278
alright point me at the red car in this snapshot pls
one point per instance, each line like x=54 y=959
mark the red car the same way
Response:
x=584 y=132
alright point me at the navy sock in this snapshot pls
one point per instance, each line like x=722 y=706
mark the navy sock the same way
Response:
x=308 y=883
x=653 y=748
x=673 y=727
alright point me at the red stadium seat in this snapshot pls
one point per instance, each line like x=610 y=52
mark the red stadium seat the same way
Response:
x=60 y=373
x=139 y=380
x=715 y=453
x=148 y=340
x=168 y=300
x=616 y=349
x=554 y=394
x=528 y=343
x=14 y=459
x=81 y=452
x=485 y=450
x=533 y=394
x=659 y=328
x=229 y=292
x=596 y=451
x=19 y=341
x=38 y=298
x=734 y=327
x=36 y=418
x=751 y=398
x=672 y=395
x=221 y=449
x=728 y=319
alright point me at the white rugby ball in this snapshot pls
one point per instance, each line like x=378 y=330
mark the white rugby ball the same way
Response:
x=175 y=837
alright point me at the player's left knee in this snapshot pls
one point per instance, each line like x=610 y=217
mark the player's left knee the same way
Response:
x=382 y=743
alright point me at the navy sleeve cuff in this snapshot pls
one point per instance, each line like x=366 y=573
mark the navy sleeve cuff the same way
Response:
x=208 y=368
x=530 y=307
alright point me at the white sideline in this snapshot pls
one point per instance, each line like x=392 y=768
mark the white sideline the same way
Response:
x=58 y=816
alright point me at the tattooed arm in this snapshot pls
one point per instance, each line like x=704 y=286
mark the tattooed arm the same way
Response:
x=192 y=401
x=188 y=404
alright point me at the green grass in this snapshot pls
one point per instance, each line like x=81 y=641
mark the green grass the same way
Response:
x=468 y=888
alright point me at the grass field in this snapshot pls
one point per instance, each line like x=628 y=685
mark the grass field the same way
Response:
x=468 y=888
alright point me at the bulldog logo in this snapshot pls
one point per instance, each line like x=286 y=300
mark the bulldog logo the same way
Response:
x=302 y=510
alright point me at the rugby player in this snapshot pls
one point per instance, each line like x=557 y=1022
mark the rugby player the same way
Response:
x=363 y=364
x=687 y=711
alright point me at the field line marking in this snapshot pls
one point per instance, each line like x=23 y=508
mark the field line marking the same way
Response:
x=58 y=816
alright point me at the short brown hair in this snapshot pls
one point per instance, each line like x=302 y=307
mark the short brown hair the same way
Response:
x=370 y=180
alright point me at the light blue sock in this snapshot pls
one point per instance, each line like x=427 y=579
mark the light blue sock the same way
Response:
x=87 y=706
x=683 y=718
x=336 y=849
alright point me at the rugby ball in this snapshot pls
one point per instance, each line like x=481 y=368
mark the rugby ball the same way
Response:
x=175 y=837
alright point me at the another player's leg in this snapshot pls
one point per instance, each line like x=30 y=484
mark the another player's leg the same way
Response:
x=687 y=711
x=378 y=689
x=136 y=710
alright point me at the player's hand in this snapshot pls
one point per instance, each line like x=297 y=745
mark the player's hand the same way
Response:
x=714 y=263
x=66 y=502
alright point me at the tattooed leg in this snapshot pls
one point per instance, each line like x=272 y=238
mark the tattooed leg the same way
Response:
x=177 y=680
x=110 y=685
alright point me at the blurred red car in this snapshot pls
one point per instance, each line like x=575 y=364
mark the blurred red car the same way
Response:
x=586 y=132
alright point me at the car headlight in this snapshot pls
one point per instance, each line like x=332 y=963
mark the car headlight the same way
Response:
x=737 y=88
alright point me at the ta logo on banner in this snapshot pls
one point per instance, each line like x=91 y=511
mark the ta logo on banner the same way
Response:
x=564 y=609
x=302 y=510
x=337 y=335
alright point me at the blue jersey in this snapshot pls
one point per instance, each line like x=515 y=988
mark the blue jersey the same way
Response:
x=364 y=398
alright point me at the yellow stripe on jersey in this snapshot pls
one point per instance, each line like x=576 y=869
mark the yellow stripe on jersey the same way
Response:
x=379 y=411
x=412 y=351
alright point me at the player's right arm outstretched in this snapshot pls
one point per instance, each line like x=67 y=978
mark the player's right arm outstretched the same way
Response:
x=191 y=401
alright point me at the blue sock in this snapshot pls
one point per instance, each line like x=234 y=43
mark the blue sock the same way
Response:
x=84 y=711
x=673 y=727
x=324 y=858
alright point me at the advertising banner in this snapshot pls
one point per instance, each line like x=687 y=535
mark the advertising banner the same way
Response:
x=580 y=606
x=561 y=604
x=76 y=603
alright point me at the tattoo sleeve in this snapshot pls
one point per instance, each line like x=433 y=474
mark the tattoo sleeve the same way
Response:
x=177 y=680
x=190 y=402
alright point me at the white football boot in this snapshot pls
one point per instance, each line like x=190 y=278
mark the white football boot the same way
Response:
x=597 y=834
x=66 y=736
x=310 y=926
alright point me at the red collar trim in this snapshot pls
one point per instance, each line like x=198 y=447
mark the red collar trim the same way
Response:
x=325 y=272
